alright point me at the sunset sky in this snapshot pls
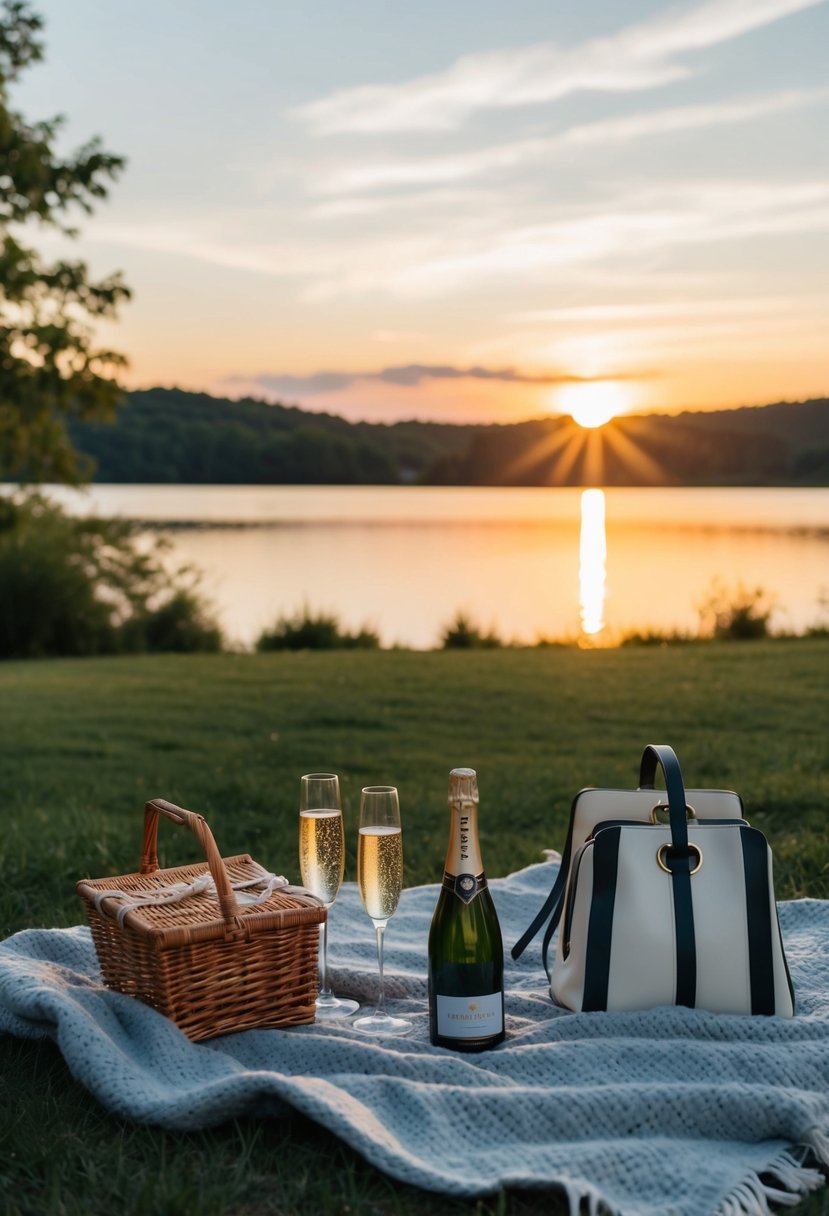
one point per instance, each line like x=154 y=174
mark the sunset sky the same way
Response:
x=463 y=211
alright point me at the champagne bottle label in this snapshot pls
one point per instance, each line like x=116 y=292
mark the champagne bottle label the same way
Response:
x=464 y=1017
x=465 y=886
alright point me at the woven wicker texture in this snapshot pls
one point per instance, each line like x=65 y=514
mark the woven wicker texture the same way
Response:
x=208 y=961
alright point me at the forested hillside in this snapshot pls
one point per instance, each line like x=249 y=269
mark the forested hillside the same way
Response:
x=167 y=435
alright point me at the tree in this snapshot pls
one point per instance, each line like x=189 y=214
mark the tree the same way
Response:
x=50 y=369
x=87 y=586
x=67 y=586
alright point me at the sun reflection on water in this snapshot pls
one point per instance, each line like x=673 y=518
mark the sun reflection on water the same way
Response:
x=592 y=562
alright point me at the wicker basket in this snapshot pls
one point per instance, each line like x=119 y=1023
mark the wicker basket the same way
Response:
x=212 y=961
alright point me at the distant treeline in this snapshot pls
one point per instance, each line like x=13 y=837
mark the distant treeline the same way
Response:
x=167 y=435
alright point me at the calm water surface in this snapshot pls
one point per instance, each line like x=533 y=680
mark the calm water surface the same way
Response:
x=529 y=563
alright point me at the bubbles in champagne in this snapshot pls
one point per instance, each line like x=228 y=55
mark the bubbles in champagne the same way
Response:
x=380 y=869
x=321 y=852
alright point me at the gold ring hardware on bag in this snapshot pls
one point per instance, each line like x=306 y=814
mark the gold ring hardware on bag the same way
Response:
x=663 y=848
x=690 y=813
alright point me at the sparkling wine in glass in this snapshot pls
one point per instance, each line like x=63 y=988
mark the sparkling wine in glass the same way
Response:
x=321 y=863
x=380 y=879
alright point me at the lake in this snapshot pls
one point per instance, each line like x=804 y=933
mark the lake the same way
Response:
x=586 y=565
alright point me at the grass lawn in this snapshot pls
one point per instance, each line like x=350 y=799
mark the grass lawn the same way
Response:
x=85 y=743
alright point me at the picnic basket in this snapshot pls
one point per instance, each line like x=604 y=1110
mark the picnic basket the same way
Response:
x=218 y=946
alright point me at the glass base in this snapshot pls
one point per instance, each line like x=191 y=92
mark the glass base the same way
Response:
x=330 y=1006
x=382 y=1023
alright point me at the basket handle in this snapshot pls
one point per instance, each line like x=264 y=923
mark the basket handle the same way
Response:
x=198 y=826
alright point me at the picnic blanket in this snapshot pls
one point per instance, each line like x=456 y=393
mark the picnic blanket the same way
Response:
x=671 y=1111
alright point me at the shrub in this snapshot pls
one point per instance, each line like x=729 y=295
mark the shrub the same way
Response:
x=656 y=637
x=462 y=634
x=179 y=624
x=309 y=631
x=740 y=613
x=90 y=586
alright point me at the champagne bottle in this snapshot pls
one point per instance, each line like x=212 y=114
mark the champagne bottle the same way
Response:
x=466 y=951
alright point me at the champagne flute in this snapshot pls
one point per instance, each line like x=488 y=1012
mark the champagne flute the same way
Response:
x=380 y=878
x=321 y=863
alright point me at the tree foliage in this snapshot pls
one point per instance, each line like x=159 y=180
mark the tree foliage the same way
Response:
x=50 y=368
x=91 y=586
x=168 y=435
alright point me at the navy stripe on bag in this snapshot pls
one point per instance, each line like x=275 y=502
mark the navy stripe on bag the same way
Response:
x=600 y=926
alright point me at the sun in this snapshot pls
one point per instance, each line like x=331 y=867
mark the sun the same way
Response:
x=592 y=403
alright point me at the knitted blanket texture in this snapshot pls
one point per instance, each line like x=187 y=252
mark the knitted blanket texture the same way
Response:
x=672 y=1112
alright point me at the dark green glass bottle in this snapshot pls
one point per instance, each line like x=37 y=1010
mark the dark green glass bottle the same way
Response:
x=466 y=951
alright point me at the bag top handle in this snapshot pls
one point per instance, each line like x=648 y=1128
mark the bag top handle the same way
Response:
x=660 y=755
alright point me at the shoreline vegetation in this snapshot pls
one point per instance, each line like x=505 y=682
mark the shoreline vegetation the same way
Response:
x=85 y=586
x=727 y=614
x=229 y=735
x=255 y=525
x=169 y=436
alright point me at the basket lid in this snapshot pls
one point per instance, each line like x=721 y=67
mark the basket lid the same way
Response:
x=180 y=904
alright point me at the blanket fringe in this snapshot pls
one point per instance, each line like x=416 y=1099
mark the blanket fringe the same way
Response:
x=819 y=1143
x=788 y=1180
x=796 y=1180
x=586 y=1202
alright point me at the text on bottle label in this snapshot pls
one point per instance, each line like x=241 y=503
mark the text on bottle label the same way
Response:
x=470 y=1017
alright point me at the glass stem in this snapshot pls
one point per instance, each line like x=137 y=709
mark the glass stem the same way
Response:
x=380 y=928
x=325 y=991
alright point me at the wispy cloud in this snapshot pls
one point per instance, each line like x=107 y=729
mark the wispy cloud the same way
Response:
x=642 y=56
x=205 y=242
x=365 y=206
x=445 y=170
x=408 y=376
x=232 y=245
x=663 y=331
x=602 y=239
x=644 y=224
x=391 y=336
x=662 y=312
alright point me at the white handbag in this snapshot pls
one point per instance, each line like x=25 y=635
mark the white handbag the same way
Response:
x=664 y=899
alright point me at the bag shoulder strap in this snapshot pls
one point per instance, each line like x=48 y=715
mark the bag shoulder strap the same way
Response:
x=554 y=903
x=551 y=908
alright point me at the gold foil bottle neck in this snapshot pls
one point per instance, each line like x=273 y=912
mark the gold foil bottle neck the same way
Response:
x=463 y=785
